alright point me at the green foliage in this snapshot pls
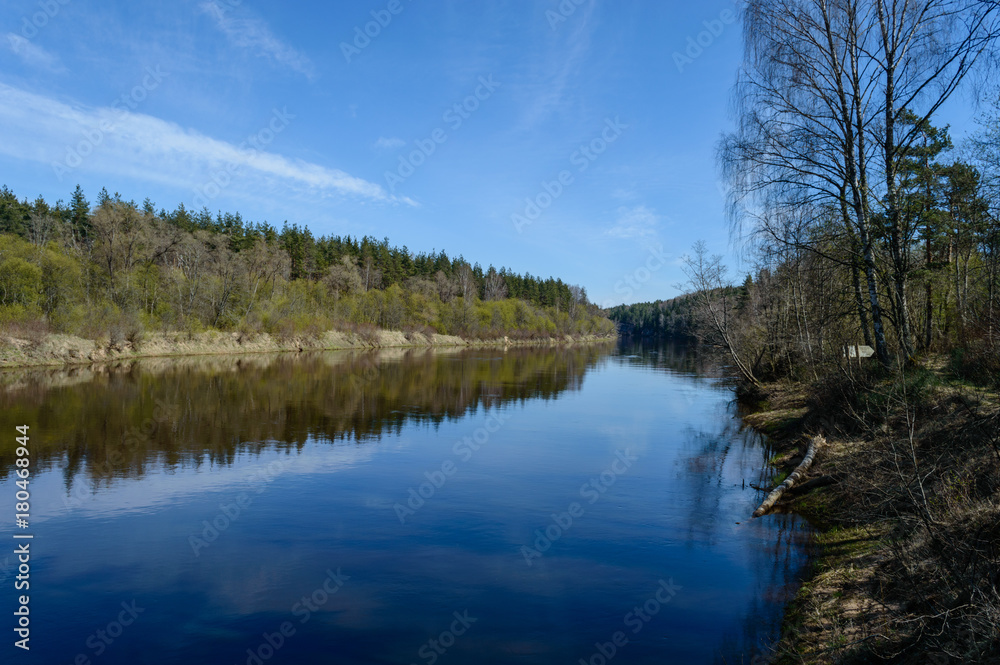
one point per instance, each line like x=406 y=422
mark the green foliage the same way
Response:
x=117 y=271
x=20 y=282
x=10 y=314
x=62 y=280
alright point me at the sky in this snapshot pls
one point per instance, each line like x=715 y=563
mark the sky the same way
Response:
x=565 y=138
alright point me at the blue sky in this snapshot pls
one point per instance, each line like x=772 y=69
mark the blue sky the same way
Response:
x=438 y=128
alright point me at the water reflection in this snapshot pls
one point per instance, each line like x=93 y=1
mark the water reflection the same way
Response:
x=114 y=421
x=719 y=465
x=671 y=356
x=167 y=448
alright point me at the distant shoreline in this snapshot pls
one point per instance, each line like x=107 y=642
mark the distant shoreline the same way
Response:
x=54 y=350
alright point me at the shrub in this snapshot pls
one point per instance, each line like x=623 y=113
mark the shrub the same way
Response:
x=20 y=282
x=978 y=362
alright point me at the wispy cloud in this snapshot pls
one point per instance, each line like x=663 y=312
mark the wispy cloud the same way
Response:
x=254 y=34
x=560 y=67
x=636 y=222
x=392 y=143
x=32 y=54
x=136 y=145
x=625 y=193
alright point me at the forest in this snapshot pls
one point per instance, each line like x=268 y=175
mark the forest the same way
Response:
x=116 y=270
x=670 y=319
x=864 y=225
x=859 y=220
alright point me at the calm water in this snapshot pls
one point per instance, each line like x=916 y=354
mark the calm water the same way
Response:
x=490 y=506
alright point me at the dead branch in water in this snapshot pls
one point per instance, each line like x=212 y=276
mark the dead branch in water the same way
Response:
x=795 y=476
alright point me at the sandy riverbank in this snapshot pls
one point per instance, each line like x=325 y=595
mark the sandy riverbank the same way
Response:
x=55 y=350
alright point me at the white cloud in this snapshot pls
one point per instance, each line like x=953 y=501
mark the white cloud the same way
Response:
x=635 y=222
x=114 y=141
x=32 y=54
x=392 y=143
x=254 y=34
x=625 y=193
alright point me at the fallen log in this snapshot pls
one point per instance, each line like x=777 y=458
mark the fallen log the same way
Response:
x=795 y=476
x=809 y=486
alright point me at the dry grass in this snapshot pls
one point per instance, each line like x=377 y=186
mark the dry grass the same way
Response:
x=909 y=570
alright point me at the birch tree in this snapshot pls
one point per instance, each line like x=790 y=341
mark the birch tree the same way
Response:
x=819 y=101
x=713 y=292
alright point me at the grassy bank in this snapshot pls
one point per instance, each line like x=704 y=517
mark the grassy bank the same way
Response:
x=906 y=495
x=54 y=350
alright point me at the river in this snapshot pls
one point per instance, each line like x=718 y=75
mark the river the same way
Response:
x=551 y=505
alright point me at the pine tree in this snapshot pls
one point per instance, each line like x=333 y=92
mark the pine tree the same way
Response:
x=79 y=210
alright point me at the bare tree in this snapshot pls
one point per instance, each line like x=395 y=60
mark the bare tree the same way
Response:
x=121 y=240
x=42 y=228
x=496 y=286
x=446 y=288
x=225 y=271
x=343 y=278
x=466 y=281
x=190 y=257
x=714 y=296
x=819 y=99
x=371 y=276
x=578 y=298
x=260 y=267
x=925 y=50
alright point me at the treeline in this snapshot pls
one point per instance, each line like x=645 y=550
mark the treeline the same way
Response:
x=671 y=319
x=119 y=268
x=866 y=225
x=934 y=287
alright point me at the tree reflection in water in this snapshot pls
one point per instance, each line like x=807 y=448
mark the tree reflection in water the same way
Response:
x=183 y=412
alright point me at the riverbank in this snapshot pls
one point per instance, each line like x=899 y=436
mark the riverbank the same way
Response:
x=905 y=492
x=62 y=350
